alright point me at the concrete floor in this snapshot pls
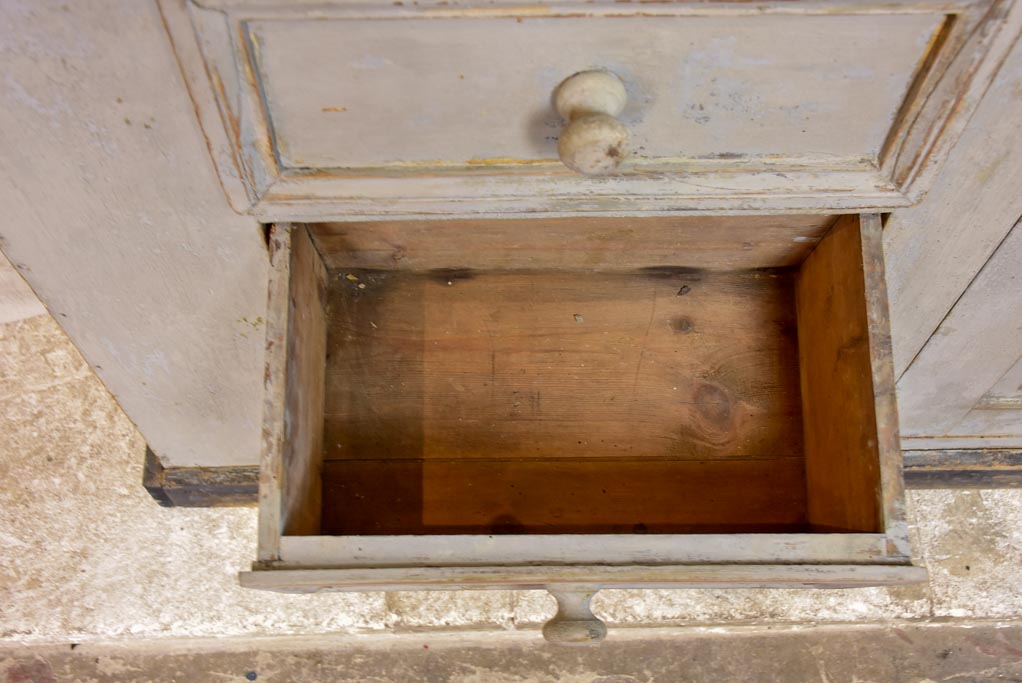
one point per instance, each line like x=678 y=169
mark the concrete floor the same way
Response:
x=89 y=557
x=882 y=654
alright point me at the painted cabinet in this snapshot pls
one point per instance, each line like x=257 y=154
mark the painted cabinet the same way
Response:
x=586 y=294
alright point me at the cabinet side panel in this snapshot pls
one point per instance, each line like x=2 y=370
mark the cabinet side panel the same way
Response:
x=303 y=403
x=839 y=411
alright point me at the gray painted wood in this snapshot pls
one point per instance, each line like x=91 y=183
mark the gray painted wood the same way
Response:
x=596 y=576
x=764 y=107
x=17 y=300
x=467 y=550
x=933 y=250
x=162 y=286
x=978 y=342
x=115 y=213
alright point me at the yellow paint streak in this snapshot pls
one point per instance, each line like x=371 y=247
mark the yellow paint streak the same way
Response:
x=513 y=11
x=334 y=109
x=249 y=64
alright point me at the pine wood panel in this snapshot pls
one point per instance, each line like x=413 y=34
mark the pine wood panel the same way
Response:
x=575 y=243
x=665 y=363
x=289 y=494
x=504 y=496
x=843 y=468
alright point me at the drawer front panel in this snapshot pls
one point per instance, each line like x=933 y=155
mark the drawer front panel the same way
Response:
x=334 y=110
x=420 y=94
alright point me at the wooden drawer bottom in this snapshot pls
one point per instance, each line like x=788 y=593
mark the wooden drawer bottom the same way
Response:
x=658 y=401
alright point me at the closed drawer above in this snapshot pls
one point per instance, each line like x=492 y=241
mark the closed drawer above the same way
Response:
x=331 y=110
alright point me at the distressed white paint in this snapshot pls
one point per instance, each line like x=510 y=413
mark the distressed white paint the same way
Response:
x=124 y=229
x=933 y=250
x=467 y=550
x=478 y=91
x=976 y=344
x=806 y=113
x=975 y=441
x=115 y=215
x=1008 y=389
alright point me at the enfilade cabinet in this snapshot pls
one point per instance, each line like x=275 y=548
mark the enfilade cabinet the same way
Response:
x=581 y=295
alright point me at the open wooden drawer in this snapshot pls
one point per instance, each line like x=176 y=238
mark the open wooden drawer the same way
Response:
x=580 y=403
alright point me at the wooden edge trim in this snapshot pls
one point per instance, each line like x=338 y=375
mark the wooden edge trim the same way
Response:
x=592 y=576
x=270 y=471
x=351 y=552
x=963 y=469
x=582 y=8
x=992 y=468
x=211 y=118
x=193 y=487
x=885 y=402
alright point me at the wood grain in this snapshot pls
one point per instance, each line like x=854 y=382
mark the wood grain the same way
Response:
x=289 y=482
x=923 y=469
x=305 y=378
x=499 y=496
x=839 y=405
x=271 y=460
x=576 y=243
x=665 y=363
x=200 y=487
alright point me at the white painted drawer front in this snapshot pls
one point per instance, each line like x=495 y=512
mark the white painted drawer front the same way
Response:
x=337 y=109
x=419 y=94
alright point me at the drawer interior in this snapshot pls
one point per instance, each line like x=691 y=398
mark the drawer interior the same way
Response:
x=583 y=377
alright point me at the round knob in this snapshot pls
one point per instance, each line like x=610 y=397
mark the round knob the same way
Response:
x=593 y=142
x=574 y=623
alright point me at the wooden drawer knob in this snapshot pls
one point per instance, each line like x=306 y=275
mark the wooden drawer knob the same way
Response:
x=594 y=142
x=574 y=623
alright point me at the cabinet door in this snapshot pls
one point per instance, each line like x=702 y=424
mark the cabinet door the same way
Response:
x=964 y=389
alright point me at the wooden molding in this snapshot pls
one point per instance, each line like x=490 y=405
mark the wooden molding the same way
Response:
x=220 y=61
x=963 y=469
x=197 y=487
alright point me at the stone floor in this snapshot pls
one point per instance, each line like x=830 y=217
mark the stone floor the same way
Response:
x=89 y=557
